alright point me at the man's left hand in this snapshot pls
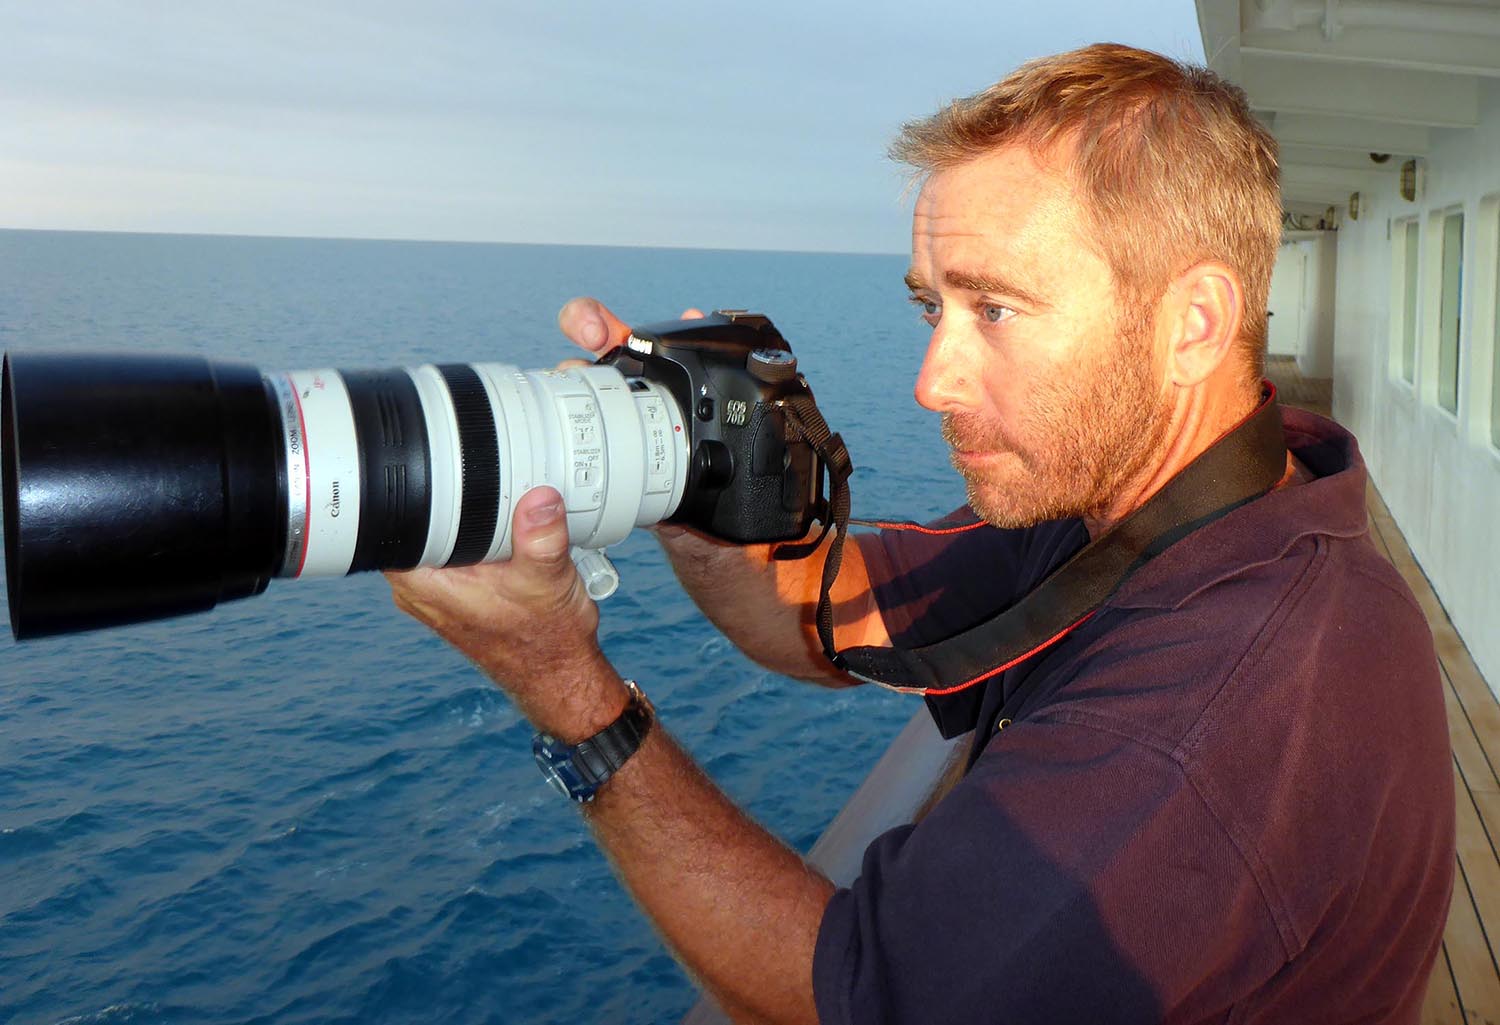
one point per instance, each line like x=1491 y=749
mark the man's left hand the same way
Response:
x=528 y=623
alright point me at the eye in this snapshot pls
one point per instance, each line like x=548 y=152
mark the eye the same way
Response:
x=995 y=313
x=930 y=310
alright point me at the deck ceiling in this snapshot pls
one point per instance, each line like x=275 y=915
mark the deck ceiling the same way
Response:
x=1338 y=80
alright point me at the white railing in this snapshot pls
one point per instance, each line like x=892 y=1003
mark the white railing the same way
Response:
x=889 y=797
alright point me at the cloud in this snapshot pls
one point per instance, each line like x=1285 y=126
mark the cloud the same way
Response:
x=654 y=123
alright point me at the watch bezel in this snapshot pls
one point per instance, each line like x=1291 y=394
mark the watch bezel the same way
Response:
x=555 y=759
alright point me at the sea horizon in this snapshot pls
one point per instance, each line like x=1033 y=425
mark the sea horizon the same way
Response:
x=273 y=236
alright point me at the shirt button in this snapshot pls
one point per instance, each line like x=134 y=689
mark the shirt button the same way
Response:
x=1001 y=723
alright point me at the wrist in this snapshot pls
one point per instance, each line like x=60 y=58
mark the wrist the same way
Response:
x=578 y=770
x=574 y=703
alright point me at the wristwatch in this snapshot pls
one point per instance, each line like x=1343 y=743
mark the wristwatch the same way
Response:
x=577 y=771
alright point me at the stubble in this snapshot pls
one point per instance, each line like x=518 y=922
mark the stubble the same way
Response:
x=1084 y=436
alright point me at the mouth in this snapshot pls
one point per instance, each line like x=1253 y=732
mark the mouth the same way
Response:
x=964 y=459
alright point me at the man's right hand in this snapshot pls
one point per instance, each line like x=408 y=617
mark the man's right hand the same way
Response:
x=765 y=607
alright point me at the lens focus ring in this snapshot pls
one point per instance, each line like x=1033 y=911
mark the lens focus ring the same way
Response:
x=479 y=456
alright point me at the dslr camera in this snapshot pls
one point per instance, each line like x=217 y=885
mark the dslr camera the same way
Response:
x=142 y=486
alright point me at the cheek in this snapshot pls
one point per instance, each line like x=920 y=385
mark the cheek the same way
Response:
x=1005 y=393
x=1016 y=369
x=1034 y=382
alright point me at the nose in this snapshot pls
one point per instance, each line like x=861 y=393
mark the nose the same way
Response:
x=945 y=383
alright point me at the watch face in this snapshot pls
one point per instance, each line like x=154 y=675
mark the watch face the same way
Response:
x=557 y=767
x=554 y=780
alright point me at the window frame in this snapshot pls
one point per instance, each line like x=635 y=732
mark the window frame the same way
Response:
x=1429 y=342
x=1484 y=342
x=1406 y=286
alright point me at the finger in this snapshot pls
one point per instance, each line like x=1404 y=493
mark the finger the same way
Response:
x=410 y=579
x=540 y=561
x=572 y=364
x=399 y=596
x=401 y=582
x=588 y=323
x=692 y=313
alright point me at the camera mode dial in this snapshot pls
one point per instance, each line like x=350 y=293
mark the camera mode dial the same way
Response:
x=772 y=366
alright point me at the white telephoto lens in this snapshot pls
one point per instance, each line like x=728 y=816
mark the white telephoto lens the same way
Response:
x=451 y=450
x=615 y=448
x=323 y=473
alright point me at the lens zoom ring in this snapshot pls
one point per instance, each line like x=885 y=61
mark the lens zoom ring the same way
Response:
x=395 y=500
x=479 y=458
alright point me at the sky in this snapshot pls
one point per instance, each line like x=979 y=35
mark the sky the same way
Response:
x=659 y=122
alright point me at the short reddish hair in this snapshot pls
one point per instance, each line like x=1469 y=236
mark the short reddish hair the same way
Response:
x=1172 y=167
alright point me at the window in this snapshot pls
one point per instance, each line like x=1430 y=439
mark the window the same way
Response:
x=1406 y=255
x=1451 y=303
x=1495 y=340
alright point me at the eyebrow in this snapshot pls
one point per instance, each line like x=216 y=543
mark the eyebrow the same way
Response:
x=978 y=283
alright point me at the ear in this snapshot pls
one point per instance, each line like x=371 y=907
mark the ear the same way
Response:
x=1204 y=306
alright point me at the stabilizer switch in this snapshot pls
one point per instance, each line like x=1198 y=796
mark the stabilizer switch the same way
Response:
x=771 y=366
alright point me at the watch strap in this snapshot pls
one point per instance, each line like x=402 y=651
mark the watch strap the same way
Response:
x=606 y=752
x=579 y=770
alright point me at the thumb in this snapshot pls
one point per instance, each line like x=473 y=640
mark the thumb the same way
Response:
x=589 y=323
x=540 y=529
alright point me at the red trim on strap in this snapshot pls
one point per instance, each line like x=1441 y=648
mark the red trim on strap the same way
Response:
x=934 y=692
x=918 y=528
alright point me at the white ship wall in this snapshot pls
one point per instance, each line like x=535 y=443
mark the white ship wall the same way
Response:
x=1438 y=473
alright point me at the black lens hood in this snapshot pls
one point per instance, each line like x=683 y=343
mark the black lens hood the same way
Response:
x=135 y=487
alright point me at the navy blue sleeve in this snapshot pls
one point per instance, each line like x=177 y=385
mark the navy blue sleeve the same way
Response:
x=1073 y=875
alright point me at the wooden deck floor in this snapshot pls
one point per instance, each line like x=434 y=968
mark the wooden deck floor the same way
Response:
x=1465 y=985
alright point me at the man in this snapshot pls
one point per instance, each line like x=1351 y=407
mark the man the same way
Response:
x=1226 y=797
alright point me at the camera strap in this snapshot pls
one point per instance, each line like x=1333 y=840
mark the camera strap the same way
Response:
x=1241 y=466
x=803 y=420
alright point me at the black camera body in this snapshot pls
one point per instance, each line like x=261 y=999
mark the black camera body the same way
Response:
x=753 y=477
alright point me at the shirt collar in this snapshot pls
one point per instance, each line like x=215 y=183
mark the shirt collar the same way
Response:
x=1262 y=531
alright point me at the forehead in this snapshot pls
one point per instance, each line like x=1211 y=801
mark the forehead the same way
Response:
x=1006 y=210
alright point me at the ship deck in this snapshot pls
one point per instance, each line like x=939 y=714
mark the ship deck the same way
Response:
x=1465 y=985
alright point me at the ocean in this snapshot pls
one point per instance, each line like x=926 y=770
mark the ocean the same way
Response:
x=304 y=807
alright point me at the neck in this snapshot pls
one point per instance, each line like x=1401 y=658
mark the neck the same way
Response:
x=1201 y=415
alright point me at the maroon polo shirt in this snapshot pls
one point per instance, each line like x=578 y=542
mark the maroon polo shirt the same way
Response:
x=1228 y=797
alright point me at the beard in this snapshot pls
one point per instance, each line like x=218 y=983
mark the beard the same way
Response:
x=1086 y=434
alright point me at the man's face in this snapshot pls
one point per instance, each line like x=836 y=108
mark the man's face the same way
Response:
x=1051 y=390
